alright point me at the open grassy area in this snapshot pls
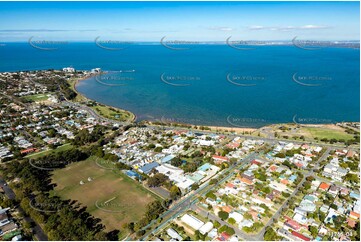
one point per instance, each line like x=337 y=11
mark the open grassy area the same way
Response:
x=113 y=113
x=110 y=195
x=327 y=133
x=103 y=110
x=79 y=98
x=37 y=97
x=64 y=147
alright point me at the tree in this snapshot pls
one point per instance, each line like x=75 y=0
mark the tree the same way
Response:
x=314 y=231
x=231 y=221
x=195 y=186
x=226 y=229
x=270 y=235
x=223 y=215
x=176 y=162
x=216 y=224
x=211 y=195
x=174 y=192
x=247 y=216
x=157 y=180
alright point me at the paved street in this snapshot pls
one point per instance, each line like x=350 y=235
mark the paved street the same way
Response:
x=38 y=231
x=187 y=202
x=190 y=199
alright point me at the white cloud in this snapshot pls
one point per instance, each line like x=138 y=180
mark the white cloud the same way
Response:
x=311 y=26
x=287 y=28
x=221 y=28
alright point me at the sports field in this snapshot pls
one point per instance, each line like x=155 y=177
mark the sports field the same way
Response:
x=328 y=133
x=37 y=97
x=108 y=194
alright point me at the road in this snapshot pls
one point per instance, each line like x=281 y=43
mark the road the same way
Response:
x=191 y=199
x=93 y=113
x=37 y=230
x=189 y=203
x=240 y=234
x=271 y=139
x=275 y=216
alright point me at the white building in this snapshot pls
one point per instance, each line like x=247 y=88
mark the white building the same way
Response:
x=191 y=221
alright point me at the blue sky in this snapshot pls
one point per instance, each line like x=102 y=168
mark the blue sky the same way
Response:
x=191 y=21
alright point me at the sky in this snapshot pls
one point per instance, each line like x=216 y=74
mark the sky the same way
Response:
x=186 y=21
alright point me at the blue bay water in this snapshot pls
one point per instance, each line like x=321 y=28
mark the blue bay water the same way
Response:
x=263 y=89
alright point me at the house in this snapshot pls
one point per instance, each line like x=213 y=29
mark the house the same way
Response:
x=301 y=219
x=185 y=186
x=352 y=223
x=278 y=186
x=206 y=228
x=344 y=191
x=167 y=159
x=300 y=236
x=174 y=235
x=292 y=224
x=146 y=169
x=219 y=159
x=8 y=228
x=333 y=190
x=68 y=69
x=236 y=216
x=227 y=209
x=27 y=151
x=354 y=215
x=223 y=237
x=355 y=195
x=324 y=186
x=246 y=181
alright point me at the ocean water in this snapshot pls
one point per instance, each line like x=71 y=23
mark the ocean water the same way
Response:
x=211 y=84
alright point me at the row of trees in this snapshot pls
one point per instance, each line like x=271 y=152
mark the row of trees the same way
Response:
x=61 y=220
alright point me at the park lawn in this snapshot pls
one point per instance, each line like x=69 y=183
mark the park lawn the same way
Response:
x=37 y=97
x=113 y=113
x=63 y=147
x=79 y=97
x=327 y=133
x=110 y=195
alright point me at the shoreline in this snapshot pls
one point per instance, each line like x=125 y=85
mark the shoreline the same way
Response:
x=249 y=130
x=74 y=87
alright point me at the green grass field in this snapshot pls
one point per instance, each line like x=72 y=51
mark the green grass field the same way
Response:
x=63 y=147
x=37 y=97
x=110 y=195
x=112 y=113
x=321 y=133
